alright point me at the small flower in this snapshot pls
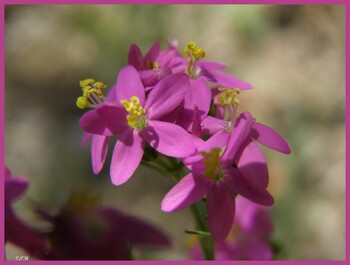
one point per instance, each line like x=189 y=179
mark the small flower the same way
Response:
x=136 y=120
x=219 y=175
x=200 y=74
x=17 y=231
x=83 y=230
x=92 y=98
x=155 y=65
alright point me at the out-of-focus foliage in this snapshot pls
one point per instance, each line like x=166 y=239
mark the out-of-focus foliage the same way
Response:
x=293 y=55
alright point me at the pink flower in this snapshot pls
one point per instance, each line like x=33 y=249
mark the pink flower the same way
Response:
x=249 y=237
x=201 y=74
x=16 y=231
x=240 y=169
x=84 y=231
x=155 y=65
x=99 y=143
x=137 y=120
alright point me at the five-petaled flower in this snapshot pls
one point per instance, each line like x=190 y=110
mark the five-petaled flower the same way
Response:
x=219 y=175
x=137 y=120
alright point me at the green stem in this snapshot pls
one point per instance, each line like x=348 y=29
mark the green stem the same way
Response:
x=172 y=167
x=206 y=243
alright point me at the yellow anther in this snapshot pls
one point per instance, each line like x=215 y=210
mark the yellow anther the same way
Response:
x=136 y=117
x=135 y=100
x=191 y=49
x=154 y=66
x=228 y=96
x=92 y=93
x=86 y=82
x=100 y=85
x=82 y=103
x=211 y=161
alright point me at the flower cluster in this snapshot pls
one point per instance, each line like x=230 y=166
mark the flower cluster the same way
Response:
x=186 y=108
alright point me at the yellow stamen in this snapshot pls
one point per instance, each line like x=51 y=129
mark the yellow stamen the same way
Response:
x=228 y=96
x=92 y=93
x=191 y=49
x=99 y=85
x=86 y=82
x=136 y=117
x=154 y=66
x=82 y=103
x=211 y=161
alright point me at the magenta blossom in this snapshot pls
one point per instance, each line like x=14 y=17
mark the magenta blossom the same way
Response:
x=16 y=231
x=249 y=237
x=137 y=120
x=99 y=143
x=200 y=73
x=242 y=145
x=241 y=169
x=155 y=65
x=98 y=233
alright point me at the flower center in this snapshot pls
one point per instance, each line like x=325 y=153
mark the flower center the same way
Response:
x=92 y=94
x=193 y=54
x=212 y=164
x=83 y=201
x=152 y=65
x=136 y=117
x=228 y=98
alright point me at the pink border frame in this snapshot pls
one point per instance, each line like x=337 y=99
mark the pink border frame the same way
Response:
x=346 y=3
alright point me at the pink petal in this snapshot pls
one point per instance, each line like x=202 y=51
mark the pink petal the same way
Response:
x=85 y=138
x=135 y=57
x=168 y=139
x=166 y=57
x=268 y=137
x=223 y=79
x=238 y=136
x=185 y=119
x=220 y=112
x=211 y=65
x=211 y=125
x=173 y=115
x=221 y=211
x=105 y=120
x=129 y=84
x=218 y=140
x=187 y=191
x=126 y=157
x=198 y=94
x=15 y=187
x=166 y=95
x=99 y=147
x=149 y=78
x=112 y=94
x=153 y=53
x=196 y=127
x=237 y=183
x=252 y=164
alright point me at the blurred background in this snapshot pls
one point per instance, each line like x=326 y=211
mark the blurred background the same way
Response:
x=293 y=55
